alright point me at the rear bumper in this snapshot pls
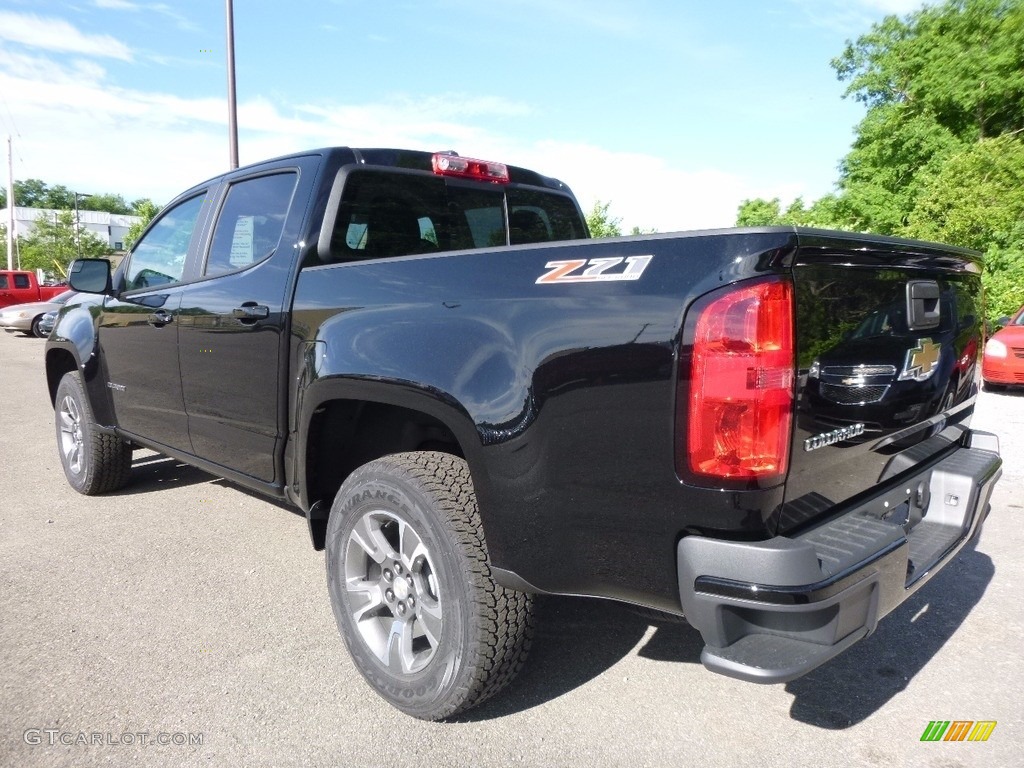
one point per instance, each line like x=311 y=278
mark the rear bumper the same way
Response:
x=773 y=610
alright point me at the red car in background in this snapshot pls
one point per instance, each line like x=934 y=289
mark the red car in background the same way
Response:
x=21 y=286
x=1003 y=362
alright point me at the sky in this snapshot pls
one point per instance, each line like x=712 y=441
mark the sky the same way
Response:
x=672 y=111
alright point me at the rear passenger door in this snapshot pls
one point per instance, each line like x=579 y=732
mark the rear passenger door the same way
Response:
x=233 y=321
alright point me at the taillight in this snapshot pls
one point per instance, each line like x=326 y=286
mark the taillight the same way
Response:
x=468 y=168
x=739 y=397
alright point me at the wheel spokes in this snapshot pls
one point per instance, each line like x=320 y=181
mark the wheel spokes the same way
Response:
x=428 y=617
x=392 y=591
x=399 y=654
x=366 y=596
x=368 y=535
x=71 y=434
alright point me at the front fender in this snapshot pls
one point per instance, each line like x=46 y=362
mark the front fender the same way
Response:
x=73 y=346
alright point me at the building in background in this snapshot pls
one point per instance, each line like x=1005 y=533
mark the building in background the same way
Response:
x=111 y=228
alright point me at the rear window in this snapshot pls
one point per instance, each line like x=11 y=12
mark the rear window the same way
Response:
x=386 y=214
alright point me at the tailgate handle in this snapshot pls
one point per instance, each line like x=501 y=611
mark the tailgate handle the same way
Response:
x=922 y=305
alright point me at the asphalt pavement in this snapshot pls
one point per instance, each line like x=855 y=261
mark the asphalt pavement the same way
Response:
x=183 y=621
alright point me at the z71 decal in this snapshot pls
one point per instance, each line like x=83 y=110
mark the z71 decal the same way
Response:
x=597 y=270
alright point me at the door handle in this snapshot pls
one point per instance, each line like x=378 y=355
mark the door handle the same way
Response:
x=250 y=312
x=160 y=318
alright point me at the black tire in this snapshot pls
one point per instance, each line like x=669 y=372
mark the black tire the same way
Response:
x=988 y=386
x=35 y=328
x=422 y=617
x=93 y=462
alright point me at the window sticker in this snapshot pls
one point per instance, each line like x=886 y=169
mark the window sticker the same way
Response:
x=241 y=242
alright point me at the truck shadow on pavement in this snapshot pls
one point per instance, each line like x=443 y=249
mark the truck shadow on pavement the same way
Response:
x=859 y=682
x=577 y=640
x=154 y=471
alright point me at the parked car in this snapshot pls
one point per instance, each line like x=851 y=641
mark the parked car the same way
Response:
x=1003 y=362
x=25 y=318
x=20 y=286
x=47 y=321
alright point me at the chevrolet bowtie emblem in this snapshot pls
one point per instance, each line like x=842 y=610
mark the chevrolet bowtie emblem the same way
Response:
x=921 y=361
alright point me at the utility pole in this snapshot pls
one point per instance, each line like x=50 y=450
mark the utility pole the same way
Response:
x=10 y=207
x=232 y=112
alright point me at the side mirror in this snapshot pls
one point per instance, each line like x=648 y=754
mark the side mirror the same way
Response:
x=1003 y=321
x=90 y=276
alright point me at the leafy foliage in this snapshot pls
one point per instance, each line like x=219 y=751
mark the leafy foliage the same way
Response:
x=146 y=209
x=939 y=154
x=35 y=193
x=601 y=223
x=53 y=243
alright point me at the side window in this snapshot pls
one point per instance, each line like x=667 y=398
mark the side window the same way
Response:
x=537 y=217
x=251 y=222
x=384 y=214
x=3 y=282
x=478 y=217
x=21 y=281
x=159 y=258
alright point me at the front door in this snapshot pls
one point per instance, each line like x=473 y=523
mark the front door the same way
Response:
x=138 y=332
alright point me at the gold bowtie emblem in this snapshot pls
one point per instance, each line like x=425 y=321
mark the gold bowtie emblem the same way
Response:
x=921 y=361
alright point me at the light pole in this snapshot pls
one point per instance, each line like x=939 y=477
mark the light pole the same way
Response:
x=232 y=113
x=78 y=223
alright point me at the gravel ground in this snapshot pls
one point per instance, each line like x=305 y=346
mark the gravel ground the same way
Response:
x=200 y=613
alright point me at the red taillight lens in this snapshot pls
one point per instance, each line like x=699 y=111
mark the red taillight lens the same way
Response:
x=736 y=424
x=468 y=168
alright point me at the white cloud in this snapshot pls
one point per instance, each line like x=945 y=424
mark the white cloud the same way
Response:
x=55 y=34
x=854 y=17
x=79 y=129
x=116 y=5
x=644 y=190
x=898 y=7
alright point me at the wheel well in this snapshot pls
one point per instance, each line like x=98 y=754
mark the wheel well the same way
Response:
x=58 y=362
x=345 y=434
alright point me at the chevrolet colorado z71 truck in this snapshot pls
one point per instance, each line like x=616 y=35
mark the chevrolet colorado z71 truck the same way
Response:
x=765 y=431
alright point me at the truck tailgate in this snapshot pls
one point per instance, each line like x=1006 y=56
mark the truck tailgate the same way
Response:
x=888 y=339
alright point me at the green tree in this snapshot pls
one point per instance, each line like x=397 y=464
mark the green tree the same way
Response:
x=939 y=153
x=105 y=202
x=53 y=243
x=601 y=223
x=976 y=200
x=934 y=82
x=30 y=193
x=146 y=209
x=759 y=212
x=35 y=193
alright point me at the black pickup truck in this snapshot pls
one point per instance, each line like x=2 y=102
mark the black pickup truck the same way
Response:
x=765 y=431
